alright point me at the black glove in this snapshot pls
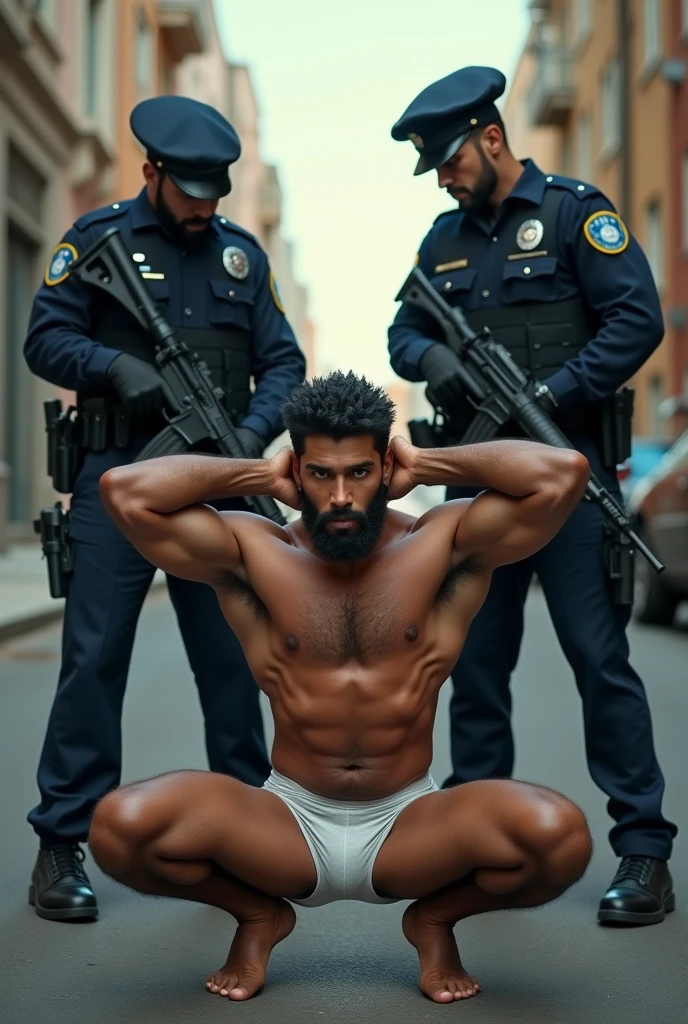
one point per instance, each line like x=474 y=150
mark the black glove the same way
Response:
x=252 y=443
x=138 y=384
x=440 y=366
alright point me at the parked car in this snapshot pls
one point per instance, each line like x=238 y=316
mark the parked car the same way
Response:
x=646 y=453
x=659 y=502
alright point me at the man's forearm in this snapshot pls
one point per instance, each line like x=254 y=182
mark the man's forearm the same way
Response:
x=173 y=482
x=515 y=467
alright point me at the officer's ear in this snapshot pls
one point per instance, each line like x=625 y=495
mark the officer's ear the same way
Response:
x=493 y=140
x=150 y=173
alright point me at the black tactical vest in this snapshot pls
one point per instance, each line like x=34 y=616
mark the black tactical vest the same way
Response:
x=225 y=345
x=541 y=334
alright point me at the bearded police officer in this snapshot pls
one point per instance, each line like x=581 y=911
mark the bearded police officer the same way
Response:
x=212 y=282
x=546 y=263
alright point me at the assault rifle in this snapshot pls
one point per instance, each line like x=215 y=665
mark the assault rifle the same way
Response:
x=198 y=412
x=500 y=391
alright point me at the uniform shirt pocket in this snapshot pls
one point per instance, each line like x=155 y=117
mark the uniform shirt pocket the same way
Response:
x=455 y=284
x=530 y=280
x=230 y=304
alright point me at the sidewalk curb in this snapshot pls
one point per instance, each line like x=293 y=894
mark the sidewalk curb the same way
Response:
x=46 y=616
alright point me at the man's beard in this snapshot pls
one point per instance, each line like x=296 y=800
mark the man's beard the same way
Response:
x=178 y=228
x=345 y=546
x=476 y=199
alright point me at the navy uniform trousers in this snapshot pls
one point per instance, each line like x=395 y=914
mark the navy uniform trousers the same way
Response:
x=592 y=634
x=82 y=753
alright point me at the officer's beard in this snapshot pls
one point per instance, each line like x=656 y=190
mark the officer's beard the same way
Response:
x=345 y=545
x=475 y=200
x=178 y=229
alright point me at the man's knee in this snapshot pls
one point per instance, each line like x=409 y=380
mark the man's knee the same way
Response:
x=120 y=827
x=559 y=838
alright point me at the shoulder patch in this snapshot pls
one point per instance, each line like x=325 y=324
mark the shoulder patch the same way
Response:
x=58 y=265
x=274 y=291
x=580 y=189
x=111 y=212
x=606 y=232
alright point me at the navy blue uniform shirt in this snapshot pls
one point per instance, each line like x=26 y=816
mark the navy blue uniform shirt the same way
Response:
x=58 y=346
x=617 y=285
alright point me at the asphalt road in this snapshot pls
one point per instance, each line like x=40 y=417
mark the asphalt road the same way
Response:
x=145 y=961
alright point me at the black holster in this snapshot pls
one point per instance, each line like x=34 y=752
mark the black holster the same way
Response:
x=617 y=427
x=53 y=527
x=62 y=429
x=619 y=556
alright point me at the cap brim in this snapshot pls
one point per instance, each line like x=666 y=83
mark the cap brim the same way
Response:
x=215 y=188
x=434 y=158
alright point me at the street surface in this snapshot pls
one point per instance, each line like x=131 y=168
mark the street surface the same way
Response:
x=146 y=960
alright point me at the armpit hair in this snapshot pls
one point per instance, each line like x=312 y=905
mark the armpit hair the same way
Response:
x=241 y=588
x=453 y=580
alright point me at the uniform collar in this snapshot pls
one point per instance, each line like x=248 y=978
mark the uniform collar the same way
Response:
x=142 y=213
x=530 y=187
x=144 y=216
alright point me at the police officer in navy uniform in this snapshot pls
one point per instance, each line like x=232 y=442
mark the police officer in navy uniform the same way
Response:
x=547 y=263
x=213 y=284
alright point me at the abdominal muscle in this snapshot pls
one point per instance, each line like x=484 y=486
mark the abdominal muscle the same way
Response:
x=354 y=733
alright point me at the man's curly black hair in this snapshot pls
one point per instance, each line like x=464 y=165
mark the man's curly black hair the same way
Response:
x=337 y=406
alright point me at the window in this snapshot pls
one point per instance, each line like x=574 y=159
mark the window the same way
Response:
x=684 y=199
x=610 y=88
x=144 y=52
x=584 y=147
x=684 y=17
x=92 y=35
x=48 y=12
x=652 y=32
x=654 y=242
x=25 y=186
x=583 y=19
x=655 y=397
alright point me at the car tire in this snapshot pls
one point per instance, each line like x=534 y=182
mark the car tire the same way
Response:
x=653 y=602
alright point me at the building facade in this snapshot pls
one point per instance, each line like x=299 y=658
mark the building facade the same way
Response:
x=70 y=73
x=596 y=99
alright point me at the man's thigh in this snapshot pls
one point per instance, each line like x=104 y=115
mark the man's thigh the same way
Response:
x=443 y=837
x=195 y=815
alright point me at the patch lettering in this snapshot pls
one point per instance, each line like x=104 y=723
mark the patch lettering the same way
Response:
x=606 y=232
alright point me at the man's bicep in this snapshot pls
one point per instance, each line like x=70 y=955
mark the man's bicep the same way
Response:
x=498 y=529
x=196 y=543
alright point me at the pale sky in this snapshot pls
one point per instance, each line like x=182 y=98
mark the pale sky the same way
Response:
x=331 y=79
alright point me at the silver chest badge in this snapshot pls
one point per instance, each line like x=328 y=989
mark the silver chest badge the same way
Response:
x=235 y=262
x=529 y=235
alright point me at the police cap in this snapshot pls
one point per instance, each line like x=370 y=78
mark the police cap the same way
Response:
x=443 y=115
x=190 y=141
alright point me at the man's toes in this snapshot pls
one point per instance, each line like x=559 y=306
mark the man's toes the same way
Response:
x=238 y=993
x=443 y=995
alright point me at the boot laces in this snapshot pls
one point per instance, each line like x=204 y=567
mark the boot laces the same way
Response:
x=67 y=862
x=634 y=869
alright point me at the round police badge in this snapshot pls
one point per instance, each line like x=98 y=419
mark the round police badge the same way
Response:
x=529 y=235
x=235 y=262
x=58 y=267
x=606 y=232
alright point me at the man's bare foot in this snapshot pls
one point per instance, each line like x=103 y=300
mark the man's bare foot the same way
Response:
x=442 y=977
x=244 y=972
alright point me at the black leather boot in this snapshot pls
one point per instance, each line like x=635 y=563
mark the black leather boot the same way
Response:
x=60 y=889
x=641 y=893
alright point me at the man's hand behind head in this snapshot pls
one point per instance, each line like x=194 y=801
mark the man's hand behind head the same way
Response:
x=405 y=458
x=284 y=487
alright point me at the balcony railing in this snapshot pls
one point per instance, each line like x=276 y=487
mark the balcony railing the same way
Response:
x=551 y=96
x=183 y=26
